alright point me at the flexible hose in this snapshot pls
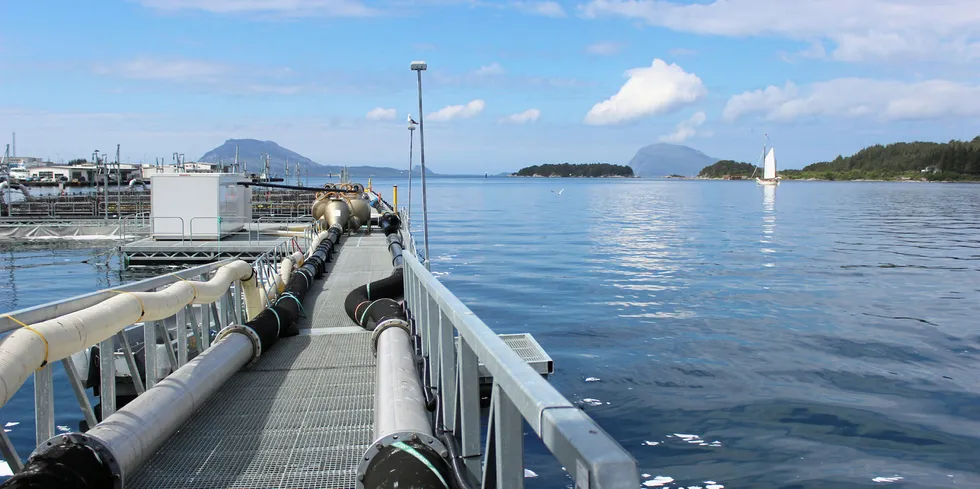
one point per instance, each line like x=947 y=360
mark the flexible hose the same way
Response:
x=374 y=302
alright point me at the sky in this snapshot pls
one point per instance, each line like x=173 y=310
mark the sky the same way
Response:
x=509 y=83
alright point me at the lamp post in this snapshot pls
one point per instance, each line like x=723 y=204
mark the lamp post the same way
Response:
x=420 y=66
x=411 y=153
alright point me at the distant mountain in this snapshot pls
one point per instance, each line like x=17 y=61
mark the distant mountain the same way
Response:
x=662 y=159
x=251 y=151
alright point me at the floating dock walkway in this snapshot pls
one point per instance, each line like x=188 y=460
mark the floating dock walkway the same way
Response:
x=303 y=414
x=334 y=361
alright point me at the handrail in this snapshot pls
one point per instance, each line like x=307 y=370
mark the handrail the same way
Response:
x=591 y=456
x=51 y=310
x=153 y=221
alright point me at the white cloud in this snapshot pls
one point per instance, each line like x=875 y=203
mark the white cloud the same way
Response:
x=293 y=8
x=491 y=69
x=548 y=8
x=169 y=70
x=861 y=30
x=457 y=111
x=655 y=89
x=604 y=48
x=858 y=97
x=685 y=129
x=212 y=76
x=381 y=114
x=528 y=116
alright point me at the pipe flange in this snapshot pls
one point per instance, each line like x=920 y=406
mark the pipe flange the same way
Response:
x=90 y=442
x=248 y=332
x=388 y=323
x=413 y=439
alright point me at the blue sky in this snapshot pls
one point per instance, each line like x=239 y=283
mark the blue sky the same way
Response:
x=509 y=84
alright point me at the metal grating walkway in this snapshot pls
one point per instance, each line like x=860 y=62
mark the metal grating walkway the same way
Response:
x=300 y=417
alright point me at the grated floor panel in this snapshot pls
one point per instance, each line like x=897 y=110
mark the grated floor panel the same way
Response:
x=300 y=417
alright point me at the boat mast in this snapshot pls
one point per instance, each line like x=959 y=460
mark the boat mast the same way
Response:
x=762 y=159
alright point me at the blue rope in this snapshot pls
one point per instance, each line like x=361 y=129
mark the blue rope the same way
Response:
x=299 y=303
x=278 y=321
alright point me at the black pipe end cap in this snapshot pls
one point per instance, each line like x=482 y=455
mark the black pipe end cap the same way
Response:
x=399 y=465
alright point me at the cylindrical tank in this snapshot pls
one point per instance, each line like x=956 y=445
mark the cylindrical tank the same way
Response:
x=336 y=212
x=360 y=208
x=319 y=208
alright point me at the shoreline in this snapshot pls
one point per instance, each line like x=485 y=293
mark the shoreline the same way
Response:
x=921 y=180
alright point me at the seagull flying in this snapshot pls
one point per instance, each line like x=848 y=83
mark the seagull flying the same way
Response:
x=558 y=192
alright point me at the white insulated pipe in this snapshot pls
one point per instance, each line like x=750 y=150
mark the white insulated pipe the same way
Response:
x=33 y=346
x=316 y=243
x=286 y=268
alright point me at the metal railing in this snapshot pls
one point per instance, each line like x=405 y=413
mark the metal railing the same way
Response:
x=519 y=393
x=266 y=265
x=191 y=321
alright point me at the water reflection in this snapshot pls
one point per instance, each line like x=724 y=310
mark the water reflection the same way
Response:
x=768 y=221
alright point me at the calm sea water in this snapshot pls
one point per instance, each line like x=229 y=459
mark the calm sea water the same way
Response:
x=808 y=336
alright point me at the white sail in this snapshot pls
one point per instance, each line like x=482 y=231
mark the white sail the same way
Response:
x=769 y=172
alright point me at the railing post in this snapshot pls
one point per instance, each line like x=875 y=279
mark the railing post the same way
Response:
x=237 y=291
x=468 y=423
x=431 y=323
x=79 y=389
x=196 y=328
x=10 y=453
x=130 y=361
x=150 y=352
x=447 y=369
x=44 y=404
x=205 y=322
x=181 y=329
x=167 y=344
x=509 y=437
x=107 y=382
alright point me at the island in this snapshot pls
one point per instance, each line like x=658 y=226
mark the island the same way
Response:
x=586 y=170
x=952 y=161
x=729 y=170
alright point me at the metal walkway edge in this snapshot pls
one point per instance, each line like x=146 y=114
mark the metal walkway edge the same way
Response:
x=303 y=414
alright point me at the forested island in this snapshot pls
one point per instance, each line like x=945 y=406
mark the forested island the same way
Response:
x=952 y=161
x=587 y=170
x=729 y=169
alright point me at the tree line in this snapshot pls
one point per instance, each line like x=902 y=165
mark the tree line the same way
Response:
x=729 y=168
x=578 y=170
x=955 y=160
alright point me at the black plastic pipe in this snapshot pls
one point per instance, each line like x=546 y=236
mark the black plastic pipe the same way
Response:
x=63 y=467
x=299 y=187
x=375 y=302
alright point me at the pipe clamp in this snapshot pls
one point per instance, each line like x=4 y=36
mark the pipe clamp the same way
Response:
x=248 y=332
x=388 y=323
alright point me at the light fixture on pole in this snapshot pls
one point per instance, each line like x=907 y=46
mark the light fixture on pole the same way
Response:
x=420 y=66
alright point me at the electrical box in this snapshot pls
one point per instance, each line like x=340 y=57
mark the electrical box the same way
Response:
x=198 y=206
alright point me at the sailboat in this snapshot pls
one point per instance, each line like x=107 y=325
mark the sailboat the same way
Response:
x=769 y=167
